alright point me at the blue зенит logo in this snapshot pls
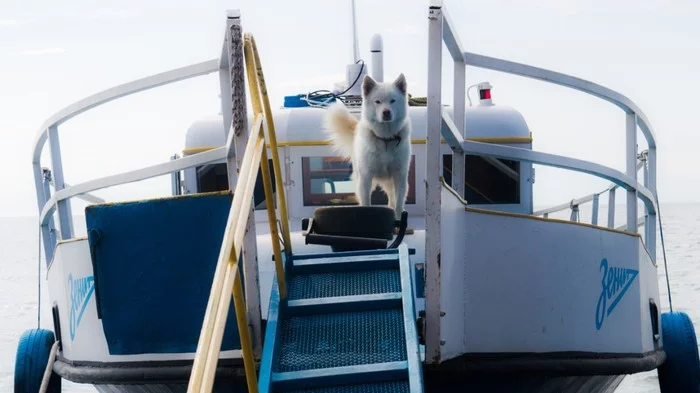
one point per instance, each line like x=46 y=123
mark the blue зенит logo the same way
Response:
x=81 y=290
x=615 y=282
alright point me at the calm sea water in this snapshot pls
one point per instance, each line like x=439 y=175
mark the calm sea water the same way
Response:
x=18 y=285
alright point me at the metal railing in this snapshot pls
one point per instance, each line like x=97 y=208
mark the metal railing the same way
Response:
x=44 y=177
x=441 y=30
x=634 y=117
x=226 y=276
x=242 y=173
x=575 y=204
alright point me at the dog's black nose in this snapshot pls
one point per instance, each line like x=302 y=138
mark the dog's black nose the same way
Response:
x=386 y=114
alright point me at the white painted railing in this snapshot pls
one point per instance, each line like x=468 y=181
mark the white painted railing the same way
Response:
x=441 y=30
x=207 y=157
x=576 y=203
x=49 y=131
x=233 y=105
x=633 y=117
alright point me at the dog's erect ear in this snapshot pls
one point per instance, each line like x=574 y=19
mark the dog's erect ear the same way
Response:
x=368 y=84
x=400 y=83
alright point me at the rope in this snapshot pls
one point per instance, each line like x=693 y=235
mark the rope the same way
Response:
x=417 y=101
x=49 y=369
x=663 y=248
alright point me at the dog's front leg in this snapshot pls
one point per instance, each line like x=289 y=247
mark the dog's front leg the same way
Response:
x=400 y=190
x=390 y=193
x=364 y=189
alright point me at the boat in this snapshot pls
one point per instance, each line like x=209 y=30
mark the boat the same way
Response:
x=469 y=289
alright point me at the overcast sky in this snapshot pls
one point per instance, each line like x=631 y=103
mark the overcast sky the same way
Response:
x=54 y=53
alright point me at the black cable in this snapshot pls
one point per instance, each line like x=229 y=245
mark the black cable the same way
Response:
x=314 y=94
x=663 y=248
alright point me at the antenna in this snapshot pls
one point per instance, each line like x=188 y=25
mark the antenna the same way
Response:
x=355 y=48
x=354 y=72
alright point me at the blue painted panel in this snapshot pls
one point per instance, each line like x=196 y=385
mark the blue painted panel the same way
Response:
x=154 y=263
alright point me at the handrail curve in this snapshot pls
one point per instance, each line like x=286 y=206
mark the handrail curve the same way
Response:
x=558 y=78
x=119 y=91
x=165 y=168
x=557 y=161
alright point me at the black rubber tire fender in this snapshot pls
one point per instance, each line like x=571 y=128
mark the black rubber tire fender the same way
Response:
x=364 y=221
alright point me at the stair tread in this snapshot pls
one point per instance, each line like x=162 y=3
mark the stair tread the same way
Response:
x=341 y=339
x=333 y=284
x=375 y=387
x=346 y=263
x=355 y=254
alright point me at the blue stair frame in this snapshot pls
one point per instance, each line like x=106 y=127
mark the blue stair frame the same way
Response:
x=348 y=325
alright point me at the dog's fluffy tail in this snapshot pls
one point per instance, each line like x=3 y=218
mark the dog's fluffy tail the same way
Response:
x=340 y=125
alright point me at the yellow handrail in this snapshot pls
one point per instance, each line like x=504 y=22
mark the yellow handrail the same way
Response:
x=258 y=93
x=249 y=46
x=208 y=348
x=226 y=277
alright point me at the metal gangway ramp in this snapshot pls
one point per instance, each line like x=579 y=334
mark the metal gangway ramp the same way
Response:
x=338 y=322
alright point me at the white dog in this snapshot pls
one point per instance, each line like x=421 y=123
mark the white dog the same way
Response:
x=379 y=144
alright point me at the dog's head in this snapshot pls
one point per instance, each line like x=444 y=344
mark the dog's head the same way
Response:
x=384 y=102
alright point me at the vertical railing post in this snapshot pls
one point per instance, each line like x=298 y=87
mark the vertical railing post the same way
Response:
x=432 y=184
x=49 y=224
x=642 y=158
x=574 y=213
x=594 y=213
x=631 y=159
x=42 y=179
x=235 y=94
x=458 y=170
x=611 y=208
x=175 y=179
x=650 y=222
x=65 y=217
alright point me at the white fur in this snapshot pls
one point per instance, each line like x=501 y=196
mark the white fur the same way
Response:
x=384 y=114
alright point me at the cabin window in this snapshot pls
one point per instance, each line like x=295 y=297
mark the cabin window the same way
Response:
x=214 y=177
x=485 y=182
x=326 y=181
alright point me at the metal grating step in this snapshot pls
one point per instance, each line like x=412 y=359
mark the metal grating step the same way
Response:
x=362 y=254
x=341 y=339
x=377 y=387
x=344 y=262
x=318 y=285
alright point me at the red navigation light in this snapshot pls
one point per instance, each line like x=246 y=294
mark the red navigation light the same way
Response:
x=485 y=94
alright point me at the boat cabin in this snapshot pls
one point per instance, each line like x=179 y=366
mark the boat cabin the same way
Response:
x=315 y=176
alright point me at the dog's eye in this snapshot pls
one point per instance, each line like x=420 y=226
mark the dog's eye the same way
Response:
x=377 y=102
x=392 y=101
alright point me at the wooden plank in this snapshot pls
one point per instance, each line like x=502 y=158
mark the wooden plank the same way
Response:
x=204 y=365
